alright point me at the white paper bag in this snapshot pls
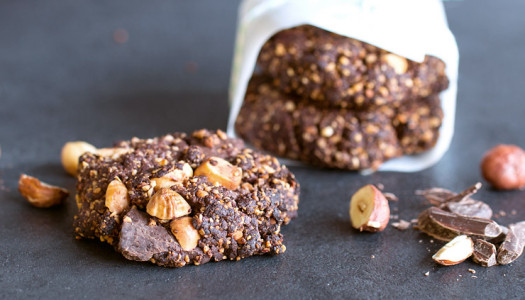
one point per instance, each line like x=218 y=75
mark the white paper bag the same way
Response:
x=409 y=28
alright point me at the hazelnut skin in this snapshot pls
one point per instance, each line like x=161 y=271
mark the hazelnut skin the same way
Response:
x=504 y=167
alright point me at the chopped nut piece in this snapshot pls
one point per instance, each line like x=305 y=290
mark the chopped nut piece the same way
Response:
x=455 y=251
x=401 y=225
x=391 y=197
x=166 y=204
x=445 y=226
x=218 y=170
x=369 y=210
x=484 y=253
x=512 y=246
x=397 y=62
x=185 y=233
x=117 y=198
x=71 y=152
x=40 y=194
x=113 y=153
x=173 y=177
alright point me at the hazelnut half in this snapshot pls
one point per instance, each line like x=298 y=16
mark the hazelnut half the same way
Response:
x=71 y=152
x=167 y=204
x=173 y=177
x=369 y=210
x=40 y=194
x=219 y=171
x=117 y=198
x=183 y=230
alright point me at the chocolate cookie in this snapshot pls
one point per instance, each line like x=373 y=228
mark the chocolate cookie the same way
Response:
x=335 y=137
x=179 y=199
x=333 y=70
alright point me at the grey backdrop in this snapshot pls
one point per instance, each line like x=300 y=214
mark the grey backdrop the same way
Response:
x=62 y=77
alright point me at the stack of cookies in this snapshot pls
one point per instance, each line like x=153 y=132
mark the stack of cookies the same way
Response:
x=336 y=102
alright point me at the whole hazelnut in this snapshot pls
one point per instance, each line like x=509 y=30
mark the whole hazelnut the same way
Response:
x=504 y=167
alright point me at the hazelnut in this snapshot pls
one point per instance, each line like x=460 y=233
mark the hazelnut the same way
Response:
x=40 y=194
x=455 y=251
x=185 y=233
x=71 y=152
x=504 y=167
x=173 y=177
x=369 y=210
x=398 y=63
x=117 y=198
x=167 y=204
x=219 y=171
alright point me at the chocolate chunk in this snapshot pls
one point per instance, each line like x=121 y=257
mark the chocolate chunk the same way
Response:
x=458 y=203
x=436 y=196
x=445 y=225
x=484 y=253
x=501 y=237
x=512 y=246
x=465 y=194
x=140 y=241
x=469 y=207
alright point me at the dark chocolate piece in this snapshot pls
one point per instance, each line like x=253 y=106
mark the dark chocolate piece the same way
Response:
x=512 y=246
x=484 y=253
x=436 y=196
x=445 y=225
x=139 y=240
x=469 y=207
x=232 y=222
x=458 y=203
x=465 y=194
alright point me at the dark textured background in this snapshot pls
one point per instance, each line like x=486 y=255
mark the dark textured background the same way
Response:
x=62 y=77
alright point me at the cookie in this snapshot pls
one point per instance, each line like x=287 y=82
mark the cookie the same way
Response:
x=335 y=137
x=327 y=137
x=333 y=70
x=185 y=199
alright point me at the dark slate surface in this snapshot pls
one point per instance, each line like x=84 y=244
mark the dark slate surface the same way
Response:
x=62 y=77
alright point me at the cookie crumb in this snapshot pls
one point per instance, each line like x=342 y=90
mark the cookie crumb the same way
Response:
x=472 y=271
x=427 y=273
